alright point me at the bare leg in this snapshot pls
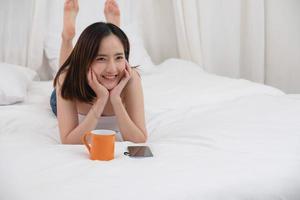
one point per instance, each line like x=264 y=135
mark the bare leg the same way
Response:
x=112 y=12
x=71 y=9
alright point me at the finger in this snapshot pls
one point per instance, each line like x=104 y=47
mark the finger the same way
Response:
x=76 y=3
x=127 y=66
x=68 y=2
x=122 y=83
x=108 y=2
x=127 y=74
x=90 y=79
x=94 y=77
x=114 y=3
x=126 y=62
x=129 y=70
x=89 y=75
x=110 y=6
x=73 y=2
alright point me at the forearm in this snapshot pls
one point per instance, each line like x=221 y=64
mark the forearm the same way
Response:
x=65 y=50
x=129 y=131
x=89 y=123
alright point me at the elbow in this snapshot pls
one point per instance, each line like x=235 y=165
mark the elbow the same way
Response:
x=66 y=140
x=142 y=139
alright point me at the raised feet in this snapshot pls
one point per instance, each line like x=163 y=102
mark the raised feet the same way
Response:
x=112 y=12
x=71 y=9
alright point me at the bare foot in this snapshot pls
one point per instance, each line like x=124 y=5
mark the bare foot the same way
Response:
x=112 y=12
x=71 y=9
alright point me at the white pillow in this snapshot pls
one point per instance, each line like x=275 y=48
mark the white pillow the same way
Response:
x=14 y=81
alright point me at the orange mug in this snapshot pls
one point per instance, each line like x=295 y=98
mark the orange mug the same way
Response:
x=102 y=145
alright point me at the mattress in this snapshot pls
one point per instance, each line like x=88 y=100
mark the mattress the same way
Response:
x=212 y=138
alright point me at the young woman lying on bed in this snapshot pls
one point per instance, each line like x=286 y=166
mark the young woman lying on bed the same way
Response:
x=95 y=87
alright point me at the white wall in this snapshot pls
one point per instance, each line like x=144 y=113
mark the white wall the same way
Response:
x=283 y=44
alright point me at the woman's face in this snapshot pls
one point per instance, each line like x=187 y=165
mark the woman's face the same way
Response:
x=109 y=63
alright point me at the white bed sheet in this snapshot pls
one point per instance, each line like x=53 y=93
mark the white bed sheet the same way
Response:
x=212 y=138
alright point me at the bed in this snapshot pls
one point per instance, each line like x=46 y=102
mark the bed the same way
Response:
x=212 y=138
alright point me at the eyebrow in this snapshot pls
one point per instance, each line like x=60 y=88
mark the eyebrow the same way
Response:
x=117 y=54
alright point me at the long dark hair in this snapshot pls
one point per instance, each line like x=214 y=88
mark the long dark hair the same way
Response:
x=75 y=85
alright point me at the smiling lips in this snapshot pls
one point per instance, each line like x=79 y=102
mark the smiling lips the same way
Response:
x=110 y=77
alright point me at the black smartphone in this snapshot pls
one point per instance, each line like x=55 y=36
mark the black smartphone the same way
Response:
x=138 y=151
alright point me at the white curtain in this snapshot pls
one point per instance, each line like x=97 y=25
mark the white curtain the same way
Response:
x=225 y=37
x=29 y=28
x=15 y=31
x=156 y=20
x=258 y=40
x=188 y=30
x=22 y=30
x=283 y=44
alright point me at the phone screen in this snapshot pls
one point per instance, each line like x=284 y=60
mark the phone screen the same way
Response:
x=139 y=151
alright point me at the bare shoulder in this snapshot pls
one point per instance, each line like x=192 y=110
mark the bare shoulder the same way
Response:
x=62 y=77
x=60 y=80
x=133 y=87
x=135 y=79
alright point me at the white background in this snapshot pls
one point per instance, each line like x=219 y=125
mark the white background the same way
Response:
x=24 y=25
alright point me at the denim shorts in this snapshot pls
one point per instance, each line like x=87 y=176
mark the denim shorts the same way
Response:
x=53 y=102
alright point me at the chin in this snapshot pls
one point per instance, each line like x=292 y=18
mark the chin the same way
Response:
x=110 y=87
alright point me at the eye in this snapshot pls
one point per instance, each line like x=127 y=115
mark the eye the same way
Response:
x=119 y=57
x=100 y=59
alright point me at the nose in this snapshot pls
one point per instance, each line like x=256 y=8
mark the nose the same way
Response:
x=111 y=67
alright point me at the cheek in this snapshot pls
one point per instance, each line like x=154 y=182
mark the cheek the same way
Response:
x=121 y=69
x=121 y=66
x=98 y=68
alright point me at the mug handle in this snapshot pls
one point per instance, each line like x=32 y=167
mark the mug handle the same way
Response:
x=84 y=140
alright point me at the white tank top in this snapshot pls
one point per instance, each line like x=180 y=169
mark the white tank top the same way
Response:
x=106 y=122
